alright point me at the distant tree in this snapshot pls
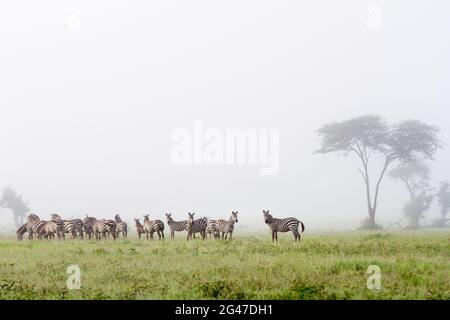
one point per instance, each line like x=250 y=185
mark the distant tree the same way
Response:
x=443 y=196
x=406 y=141
x=13 y=201
x=415 y=176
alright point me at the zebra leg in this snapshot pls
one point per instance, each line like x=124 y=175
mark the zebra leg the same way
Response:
x=231 y=235
x=273 y=236
x=162 y=234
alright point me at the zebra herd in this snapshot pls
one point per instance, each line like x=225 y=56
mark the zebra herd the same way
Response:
x=91 y=227
x=78 y=229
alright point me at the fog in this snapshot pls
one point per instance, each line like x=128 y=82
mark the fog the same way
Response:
x=91 y=93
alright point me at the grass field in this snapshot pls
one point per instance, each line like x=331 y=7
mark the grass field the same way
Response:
x=413 y=266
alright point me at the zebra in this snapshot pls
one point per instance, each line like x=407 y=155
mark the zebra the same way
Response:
x=194 y=226
x=54 y=226
x=73 y=226
x=227 y=227
x=283 y=225
x=88 y=226
x=121 y=227
x=43 y=228
x=35 y=226
x=103 y=227
x=212 y=228
x=21 y=231
x=139 y=228
x=151 y=226
x=175 y=225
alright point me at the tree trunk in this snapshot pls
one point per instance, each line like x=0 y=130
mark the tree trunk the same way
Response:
x=372 y=218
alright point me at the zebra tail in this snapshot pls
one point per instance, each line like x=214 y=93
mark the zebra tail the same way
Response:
x=303 y=226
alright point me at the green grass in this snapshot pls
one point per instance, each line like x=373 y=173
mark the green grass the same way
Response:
x=413 y=266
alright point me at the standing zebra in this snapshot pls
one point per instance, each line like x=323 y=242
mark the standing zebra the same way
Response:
x=175 y=225
x=74 y=226
x=139 y=228
x=103 y=227
x=21 y=231
x=282 y=225
x=54 y=226
x=151 y=226
x=227 y=227
x=212 y=228
x=88 y=226
x=194 y=226
x=121 y=227
x=35 y=226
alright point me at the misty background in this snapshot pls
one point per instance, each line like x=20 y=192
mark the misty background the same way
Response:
x=88 y=103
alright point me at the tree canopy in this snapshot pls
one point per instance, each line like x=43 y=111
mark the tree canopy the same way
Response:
x=406 y=141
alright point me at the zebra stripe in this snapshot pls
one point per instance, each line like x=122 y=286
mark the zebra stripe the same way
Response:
x=104 y=227
x=212 y=228
x=121 y=227
x=88 y=226
x=35 y=226
x=74 y=226
x=227 y=227
x=194 y=226
x=283 y=225
x=152 y=226
x=175 y=225
x=21 y=231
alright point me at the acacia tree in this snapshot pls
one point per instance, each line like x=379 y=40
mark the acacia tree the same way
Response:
x=415 y=176
x=13 y=201
x=406 y=141
x=443 y=196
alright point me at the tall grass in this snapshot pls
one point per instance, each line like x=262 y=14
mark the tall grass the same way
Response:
x=413 y=266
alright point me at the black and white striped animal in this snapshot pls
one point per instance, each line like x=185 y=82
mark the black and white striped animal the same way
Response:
x=196 y=226
x=54 y=226
x=152 y=226
x=35 y=226
x=103 y=227
x=283 y=225
x=212 y=228
x=88 y=226
x=21 y=231
x=175 y=225
x=74 y=226
x=42 y=228
x=121 y=227
x=227 y=227
x=139 y=228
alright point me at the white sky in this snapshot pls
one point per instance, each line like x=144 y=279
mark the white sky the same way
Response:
x=86 y=115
